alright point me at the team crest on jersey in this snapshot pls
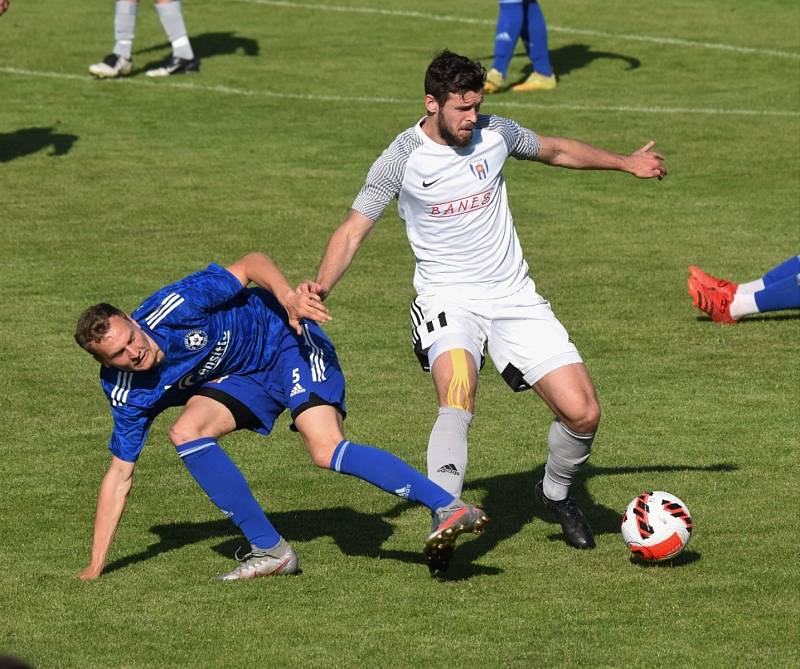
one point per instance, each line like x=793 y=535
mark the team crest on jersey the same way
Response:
x=480 y=168
x=195 y=340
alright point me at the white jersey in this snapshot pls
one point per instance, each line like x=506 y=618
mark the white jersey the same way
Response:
x=453 y=201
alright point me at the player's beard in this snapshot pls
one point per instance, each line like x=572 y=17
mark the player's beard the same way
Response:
x=449 y=137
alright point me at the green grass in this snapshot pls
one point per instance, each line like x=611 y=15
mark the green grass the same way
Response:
x=155 y=179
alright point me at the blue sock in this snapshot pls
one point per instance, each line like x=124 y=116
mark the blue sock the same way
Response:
x=789 y=267
x=509 y=27
x=389 y=473
x=225 y=485
x=783 y=294
x=537 y=40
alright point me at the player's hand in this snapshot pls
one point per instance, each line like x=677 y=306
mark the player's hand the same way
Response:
x=4 y=6
x=301 y=304
x=313 y=287
x=646 y=164
x=89 y=574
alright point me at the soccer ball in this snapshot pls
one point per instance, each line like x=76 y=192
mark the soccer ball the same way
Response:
x=656 y=526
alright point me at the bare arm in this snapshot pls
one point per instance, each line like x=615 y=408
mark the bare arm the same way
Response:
x=341 y=249
x=111 y=503
x=262 y=271
x=570 y=153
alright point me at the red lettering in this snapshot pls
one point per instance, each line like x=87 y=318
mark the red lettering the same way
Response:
x=469 y=203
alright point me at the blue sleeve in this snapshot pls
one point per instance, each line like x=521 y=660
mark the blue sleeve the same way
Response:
x=210 y=287
x=130 y=432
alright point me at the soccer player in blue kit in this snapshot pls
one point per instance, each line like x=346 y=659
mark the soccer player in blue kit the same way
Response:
x=236 y=357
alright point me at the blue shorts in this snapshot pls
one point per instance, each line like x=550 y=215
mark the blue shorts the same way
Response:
x=306 y=373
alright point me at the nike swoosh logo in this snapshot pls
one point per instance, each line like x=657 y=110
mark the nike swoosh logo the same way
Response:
x=428 y=184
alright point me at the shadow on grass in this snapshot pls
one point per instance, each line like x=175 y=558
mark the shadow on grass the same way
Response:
x=687 y=557
x=508 y=499
x=25 y=141
x=761 y=318
x=567 y=59
x=207 y=45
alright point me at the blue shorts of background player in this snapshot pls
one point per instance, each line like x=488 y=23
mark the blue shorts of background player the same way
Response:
x=267 y=354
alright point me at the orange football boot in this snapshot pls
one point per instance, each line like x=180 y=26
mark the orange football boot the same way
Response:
x=716 y=303
x=713 y=282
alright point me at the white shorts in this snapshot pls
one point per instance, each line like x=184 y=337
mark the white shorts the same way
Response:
x=523 y=337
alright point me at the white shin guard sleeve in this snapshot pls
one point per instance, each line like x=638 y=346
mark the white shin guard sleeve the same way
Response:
x=566 y=453
x=447 y=449
x=124 y=27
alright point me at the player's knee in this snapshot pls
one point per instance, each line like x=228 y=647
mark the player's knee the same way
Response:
x=181 y=432
x=585 y=418
x=321 y=450
x=321 y=458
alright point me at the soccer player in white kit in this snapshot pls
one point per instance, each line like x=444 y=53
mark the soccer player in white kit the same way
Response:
x=472 y=282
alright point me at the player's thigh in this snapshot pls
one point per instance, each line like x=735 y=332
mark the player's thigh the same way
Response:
x=455 y=377
x=202 y=417
x=527 y=342
x=571 y=395
x=449 y=339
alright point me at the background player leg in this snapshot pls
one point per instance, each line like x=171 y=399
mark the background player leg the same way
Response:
x=119 y=62
x=535 y=36
x=727 y=301
x=182 y=58
x=509 y=28
x=783 y=294
x=569 y=392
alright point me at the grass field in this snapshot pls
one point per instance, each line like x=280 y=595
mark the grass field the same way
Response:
x=112 y=189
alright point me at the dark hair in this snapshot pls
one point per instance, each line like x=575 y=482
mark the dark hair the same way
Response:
x=451 y=73
x=93 y=324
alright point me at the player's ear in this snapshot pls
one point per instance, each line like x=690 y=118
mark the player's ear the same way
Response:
x=431 y=104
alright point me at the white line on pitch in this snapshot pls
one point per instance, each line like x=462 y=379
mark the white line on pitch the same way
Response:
x=553 y=28
x=310 y=97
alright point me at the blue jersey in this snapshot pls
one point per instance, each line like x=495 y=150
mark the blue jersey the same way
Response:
x=208 y=326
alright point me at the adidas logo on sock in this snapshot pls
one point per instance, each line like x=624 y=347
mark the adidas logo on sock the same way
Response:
x=448 y=469
x=297 y=390
x=403 y=492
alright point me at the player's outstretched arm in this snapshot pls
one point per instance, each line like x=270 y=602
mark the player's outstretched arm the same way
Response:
x=573 y=154
x=111 y=503
x=259 y=269
x=341 y=249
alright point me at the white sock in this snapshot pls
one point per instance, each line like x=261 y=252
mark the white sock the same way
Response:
x=447 y=449
x=567 y=451
x=743 y=304
x=124 y=27
x=172 y=20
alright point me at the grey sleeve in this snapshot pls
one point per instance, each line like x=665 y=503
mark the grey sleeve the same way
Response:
x=522 y=144
x=385 y=177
